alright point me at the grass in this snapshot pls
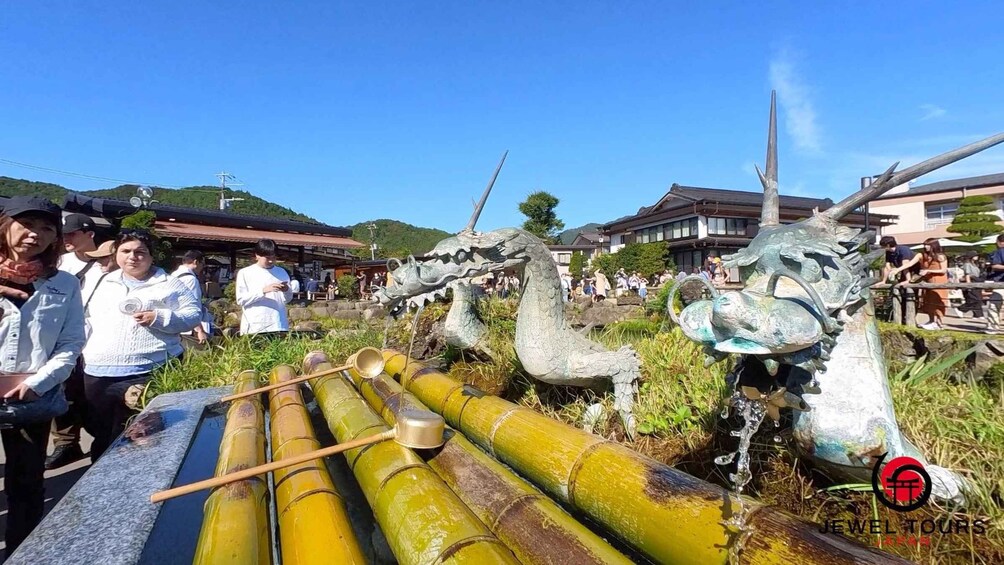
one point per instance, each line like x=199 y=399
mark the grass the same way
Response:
x=958 y=424
x=220 y=364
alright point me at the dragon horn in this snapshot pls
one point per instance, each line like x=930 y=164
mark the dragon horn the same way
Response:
x=484 y=197
x=770 y=215
x=889 y=180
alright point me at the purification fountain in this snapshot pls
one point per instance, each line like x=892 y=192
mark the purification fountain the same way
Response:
x=508 y=484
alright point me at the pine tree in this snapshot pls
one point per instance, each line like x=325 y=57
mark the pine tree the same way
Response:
x=541 y=219
x=973 y=219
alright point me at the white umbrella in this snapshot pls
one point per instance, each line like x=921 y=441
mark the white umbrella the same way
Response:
x=947 y=243
x=987 y=240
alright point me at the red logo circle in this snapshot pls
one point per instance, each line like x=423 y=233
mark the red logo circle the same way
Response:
x=901 y=481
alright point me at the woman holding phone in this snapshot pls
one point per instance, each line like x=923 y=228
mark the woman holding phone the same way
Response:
x=263 y=291
x=135 y=317
x=41 y=332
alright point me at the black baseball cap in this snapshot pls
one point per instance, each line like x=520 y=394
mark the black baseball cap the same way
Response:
x=77 y=222
x=21 y=205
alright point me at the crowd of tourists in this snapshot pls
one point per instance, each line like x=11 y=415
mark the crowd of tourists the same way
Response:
x=932 y=265
x=83 y=326
x=598 y=285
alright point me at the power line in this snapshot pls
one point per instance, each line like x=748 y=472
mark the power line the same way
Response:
x=82 y=175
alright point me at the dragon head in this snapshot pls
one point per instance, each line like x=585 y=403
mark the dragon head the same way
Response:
x=463 y=256
x=803 y=281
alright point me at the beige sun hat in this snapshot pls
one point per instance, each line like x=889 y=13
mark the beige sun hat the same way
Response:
x=104 y=250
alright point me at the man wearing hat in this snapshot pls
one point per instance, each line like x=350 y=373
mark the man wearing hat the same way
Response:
x=78 y=240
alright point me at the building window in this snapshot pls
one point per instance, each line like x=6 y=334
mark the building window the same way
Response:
x=564 y=258
x=681 y=229
x=727 y=226
x=941 y=213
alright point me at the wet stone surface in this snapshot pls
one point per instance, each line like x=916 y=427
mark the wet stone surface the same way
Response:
x=107 y=517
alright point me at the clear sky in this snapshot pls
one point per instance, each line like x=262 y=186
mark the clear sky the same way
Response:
x=362 y=110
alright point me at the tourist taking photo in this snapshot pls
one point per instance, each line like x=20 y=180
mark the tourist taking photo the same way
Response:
x=135 y=318
x=37 y=359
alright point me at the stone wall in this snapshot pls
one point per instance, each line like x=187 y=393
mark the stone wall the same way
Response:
x=306 y=316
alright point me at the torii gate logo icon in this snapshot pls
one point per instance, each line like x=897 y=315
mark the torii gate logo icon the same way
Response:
x=901 y=484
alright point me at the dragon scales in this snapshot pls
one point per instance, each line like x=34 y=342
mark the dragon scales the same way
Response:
x=548 y=349
x=806 y=309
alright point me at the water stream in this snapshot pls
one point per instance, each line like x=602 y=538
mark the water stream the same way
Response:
x=411 y=342
x=752 y=412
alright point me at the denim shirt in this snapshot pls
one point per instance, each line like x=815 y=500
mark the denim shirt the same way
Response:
x=46 y=334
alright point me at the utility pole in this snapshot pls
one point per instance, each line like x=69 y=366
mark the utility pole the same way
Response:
x=224 y=177
x=373 y=246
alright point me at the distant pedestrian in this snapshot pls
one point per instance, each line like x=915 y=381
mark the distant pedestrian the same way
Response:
x=973 y=296
x=263 y=291
x=78 y=241
x=602 y=286
x=193 y=264
x=995 y=273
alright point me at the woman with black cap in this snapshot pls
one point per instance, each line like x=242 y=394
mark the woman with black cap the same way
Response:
x=41 y=335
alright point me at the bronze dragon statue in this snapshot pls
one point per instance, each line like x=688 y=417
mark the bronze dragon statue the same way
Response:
x=547 y=347
x=806 y=309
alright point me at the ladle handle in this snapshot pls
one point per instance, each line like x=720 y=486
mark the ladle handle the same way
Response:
x=302 y=379
x=269 y=467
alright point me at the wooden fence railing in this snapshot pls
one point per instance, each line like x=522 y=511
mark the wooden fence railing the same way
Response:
x=904 y=296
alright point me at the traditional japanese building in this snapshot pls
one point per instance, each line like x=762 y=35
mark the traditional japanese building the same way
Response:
x=694 y=221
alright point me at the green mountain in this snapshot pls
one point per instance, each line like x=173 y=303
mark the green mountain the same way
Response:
x=396 y=239
x=20 y=187
x=205 y=197
x=568 y=236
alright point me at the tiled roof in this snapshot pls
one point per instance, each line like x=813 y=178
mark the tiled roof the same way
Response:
x=947 y=185
x=184 y=230
x=680 y=196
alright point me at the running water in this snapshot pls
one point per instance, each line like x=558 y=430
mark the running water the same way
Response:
x=387 y=323
x=752 y=413
x=411 y=342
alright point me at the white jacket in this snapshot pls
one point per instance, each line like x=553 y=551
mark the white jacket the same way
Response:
x=45 y=335
x=262 y=312
x=116 y=340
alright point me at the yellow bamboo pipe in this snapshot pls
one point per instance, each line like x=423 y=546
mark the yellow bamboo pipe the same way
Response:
x=423 y=521
x=314 y=527
x=367 y=361
x=664 y=513
x=235 y=525
x=534 y=527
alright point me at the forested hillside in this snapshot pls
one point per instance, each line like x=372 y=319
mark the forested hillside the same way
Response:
x=396 y=239
x=206 y=197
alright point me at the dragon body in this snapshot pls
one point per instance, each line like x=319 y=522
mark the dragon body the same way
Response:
x=547 y=347
x=806 y=312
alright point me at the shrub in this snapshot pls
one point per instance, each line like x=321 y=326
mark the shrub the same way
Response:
x=347 y=286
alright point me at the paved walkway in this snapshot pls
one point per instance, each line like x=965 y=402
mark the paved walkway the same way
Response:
x=57 y=483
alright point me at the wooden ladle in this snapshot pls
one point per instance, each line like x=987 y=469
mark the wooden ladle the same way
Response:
x=416 y=429
x=368 y=362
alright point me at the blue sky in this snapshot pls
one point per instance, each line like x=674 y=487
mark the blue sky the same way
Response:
x=355 y=111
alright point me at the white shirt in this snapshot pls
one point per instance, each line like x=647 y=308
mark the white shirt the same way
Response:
x=70 y=263
x=190 y=279
x=116 y=340
x=294 y=285
x=262 y=312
